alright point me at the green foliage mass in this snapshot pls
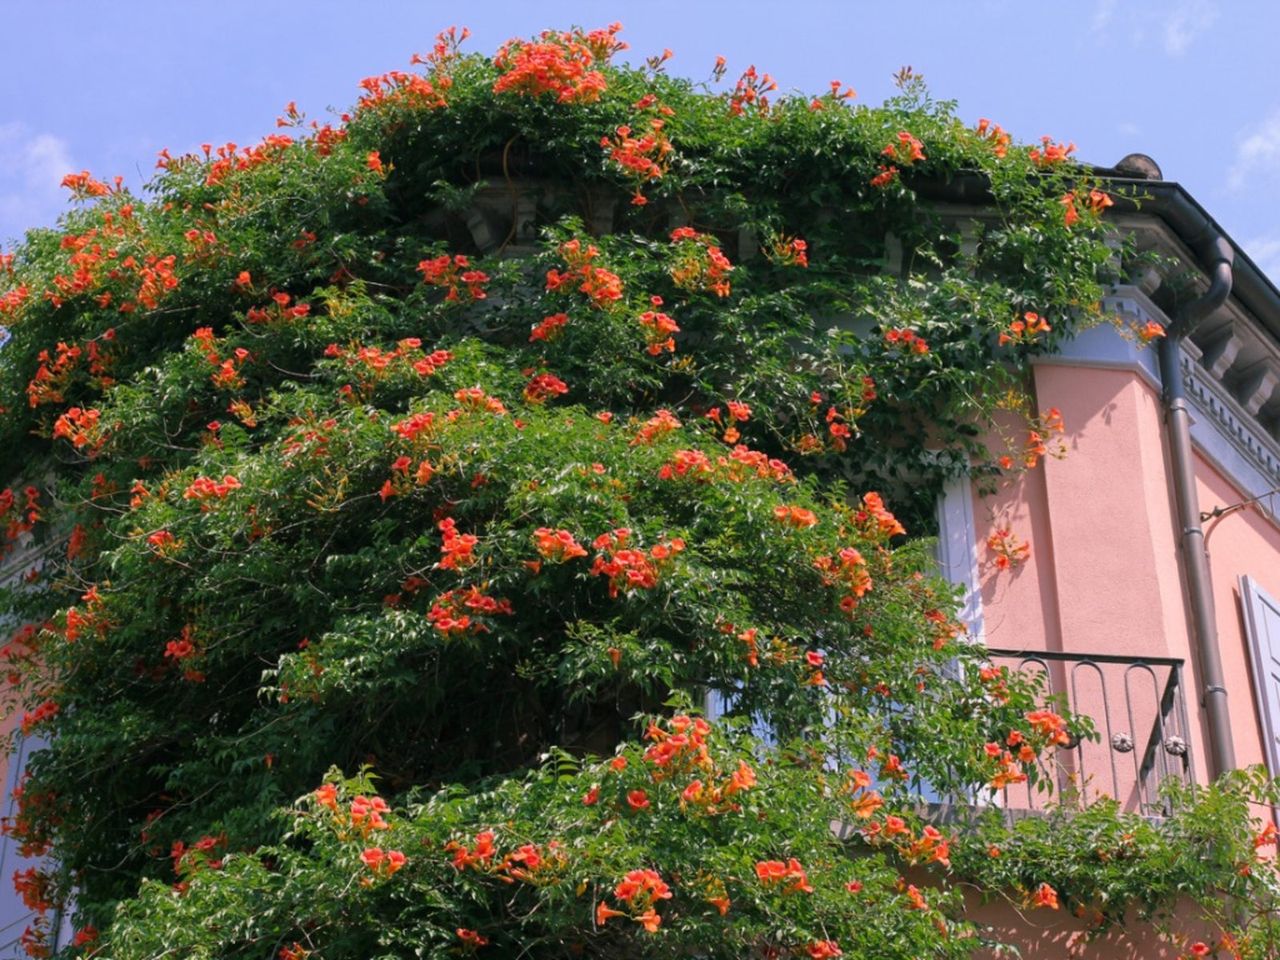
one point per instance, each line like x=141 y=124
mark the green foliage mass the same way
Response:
x=414 y=445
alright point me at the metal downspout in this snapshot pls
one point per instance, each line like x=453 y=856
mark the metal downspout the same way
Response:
x=1220 y=258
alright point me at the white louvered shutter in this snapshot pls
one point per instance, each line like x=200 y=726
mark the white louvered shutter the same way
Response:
x=1262 y=622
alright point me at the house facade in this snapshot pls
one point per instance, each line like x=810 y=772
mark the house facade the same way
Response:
x=1155 y=616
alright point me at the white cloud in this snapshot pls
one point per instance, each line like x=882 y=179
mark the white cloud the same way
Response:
x=1257 y=154
x=32 y=165
x=1188 y=20
x=1265 y=252
x=1103 y=13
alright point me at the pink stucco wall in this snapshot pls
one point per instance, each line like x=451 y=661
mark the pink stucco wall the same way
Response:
x=1103 y=573
x=1243 y=542
x=1057 y=935
x=1103 y=576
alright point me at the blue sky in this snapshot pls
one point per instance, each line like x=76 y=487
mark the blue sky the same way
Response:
x=105 y=86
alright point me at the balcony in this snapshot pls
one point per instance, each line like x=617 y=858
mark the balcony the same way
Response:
x=1138 y=707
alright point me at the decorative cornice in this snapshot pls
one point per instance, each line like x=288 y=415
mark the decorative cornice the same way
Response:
x=1223 y=429
x=1230 y=421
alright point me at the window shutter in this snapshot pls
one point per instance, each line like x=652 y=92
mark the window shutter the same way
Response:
x=1262 y=624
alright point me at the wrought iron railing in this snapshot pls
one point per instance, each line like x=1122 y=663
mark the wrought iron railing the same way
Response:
x=1138 y=707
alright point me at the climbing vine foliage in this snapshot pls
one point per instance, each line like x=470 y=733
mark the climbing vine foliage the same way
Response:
x=389 y=499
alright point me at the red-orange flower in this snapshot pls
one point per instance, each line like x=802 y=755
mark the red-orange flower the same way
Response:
x=471 y=938
x=604 y=912
x=549 y=328
x=543 y=386
x=1052 y=154
x=793 y=516
x=642 y=886
x=453 y=273
x=383 y=862
x=790 y=875
x=1070 y=213
x=1045 y=896
x=327 y=796
x=557 y=545
x=885 y=176
x=205 y=488
x=824 y=949
x=905 y=149
x=1149 y=331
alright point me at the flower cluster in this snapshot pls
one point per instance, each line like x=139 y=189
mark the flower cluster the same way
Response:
x=226 y=372
x=416 y=427
x=81 y=428
x=1150 y=331
x=44 y=712
x=835 y=96
x=847 y=572
x=557 y=63
x=183 y=653
x=1008 y=549
x=1050 y=154
x=740 y=465
x=751 y=91
x=602 y=287
x=906 y=150
x=530 y=863
x=543 y=387
x=794 y=516
x=698 y=263
x=557 y=546
x=204 y=489
x=996 y=135
x=453 y=274
x=549 y=328
x=1096 y=202
x=82 y=185
x=53 y=375
x=279 y=310
x=454 y=612
x=788 y=251
x=788 y=878
x=233 y=160
x=1024 y=330
x=906 y=340
x=658 y=330
x=396 y=87
x=642 y=157
x=659 y=425
x=404 y=477
x=410 y=91
x=1044 y=439
x=475 y=400
x=628 y=568
x=679 y=746
x=383 y=863
x=639 y=891
x=456 y=550
x=875 y=520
